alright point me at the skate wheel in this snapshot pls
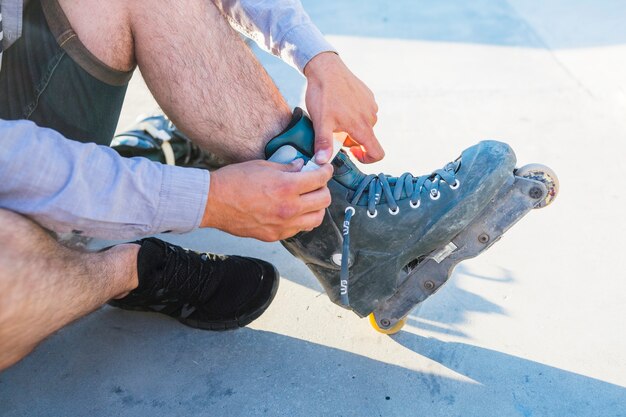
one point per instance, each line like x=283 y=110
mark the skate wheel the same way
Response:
x=392 y=330
x=544 y=174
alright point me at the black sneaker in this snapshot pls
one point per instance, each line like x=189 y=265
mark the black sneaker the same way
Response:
x=201 y=290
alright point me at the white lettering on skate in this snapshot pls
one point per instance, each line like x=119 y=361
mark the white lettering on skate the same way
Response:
x=344 y=287
x=346 y=228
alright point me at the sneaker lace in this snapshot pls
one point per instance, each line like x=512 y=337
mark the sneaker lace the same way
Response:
x=378 y=185
x=189 y=273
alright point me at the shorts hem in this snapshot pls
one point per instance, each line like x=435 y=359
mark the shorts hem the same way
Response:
x=68 y=40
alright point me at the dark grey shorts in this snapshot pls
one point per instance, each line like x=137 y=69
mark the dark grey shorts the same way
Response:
x=48 y=76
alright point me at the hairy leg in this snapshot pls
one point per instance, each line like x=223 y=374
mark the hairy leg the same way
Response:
x=199 y=70
x=44 y=286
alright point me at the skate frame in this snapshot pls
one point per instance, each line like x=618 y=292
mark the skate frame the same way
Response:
x=516 y=198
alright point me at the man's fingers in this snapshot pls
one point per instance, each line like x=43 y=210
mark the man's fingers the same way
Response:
x=373 y=119
x=370 y=149
x=309 y=221
x=305 y=222
x=315 y=200
x=295 y=166
x=349 y=142
x=313 y=180
x=323 y=142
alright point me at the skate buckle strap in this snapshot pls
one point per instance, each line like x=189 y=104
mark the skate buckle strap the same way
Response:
x=164 y=137
x=377 y=185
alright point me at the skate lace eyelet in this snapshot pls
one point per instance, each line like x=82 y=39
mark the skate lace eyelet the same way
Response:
x=416 y=205
x=456 y=184
x=370 y=215
x=336 y=258
x=394 y=212
x=435 y=194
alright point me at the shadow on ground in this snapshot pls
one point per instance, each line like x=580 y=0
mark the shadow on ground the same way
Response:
x=444 y=313
x=453 y=303
x=129 y=364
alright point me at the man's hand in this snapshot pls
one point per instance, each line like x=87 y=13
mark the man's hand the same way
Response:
x=266 y=200
x=339 y=102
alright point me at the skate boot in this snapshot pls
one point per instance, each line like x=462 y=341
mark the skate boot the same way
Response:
x=156 y=138
x=388 y=243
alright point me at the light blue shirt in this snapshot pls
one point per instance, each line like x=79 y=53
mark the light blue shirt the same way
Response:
x=281 y=27
x=70 y=186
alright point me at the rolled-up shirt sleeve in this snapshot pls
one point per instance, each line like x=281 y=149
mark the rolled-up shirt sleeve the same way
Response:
x=67 y=186
x=281 y=27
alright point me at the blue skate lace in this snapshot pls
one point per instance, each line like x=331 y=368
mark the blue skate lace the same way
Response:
x=377 y=185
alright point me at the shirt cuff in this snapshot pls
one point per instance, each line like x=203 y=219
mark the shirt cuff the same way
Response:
x=183 y=198
x=302 y=43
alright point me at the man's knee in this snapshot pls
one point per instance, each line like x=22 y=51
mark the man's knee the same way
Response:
x=16 y=231
x=10 y=221
x=104 y=28
x=12 y=228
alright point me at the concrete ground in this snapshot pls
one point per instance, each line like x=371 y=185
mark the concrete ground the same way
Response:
x=534 y=327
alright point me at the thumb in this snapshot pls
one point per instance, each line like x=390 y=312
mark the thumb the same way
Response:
x=323 y=142
x=294 y=166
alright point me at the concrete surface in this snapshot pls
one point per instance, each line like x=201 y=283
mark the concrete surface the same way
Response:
x=534 y=327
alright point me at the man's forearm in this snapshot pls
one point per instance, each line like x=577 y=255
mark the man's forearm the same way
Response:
x=70 y=186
